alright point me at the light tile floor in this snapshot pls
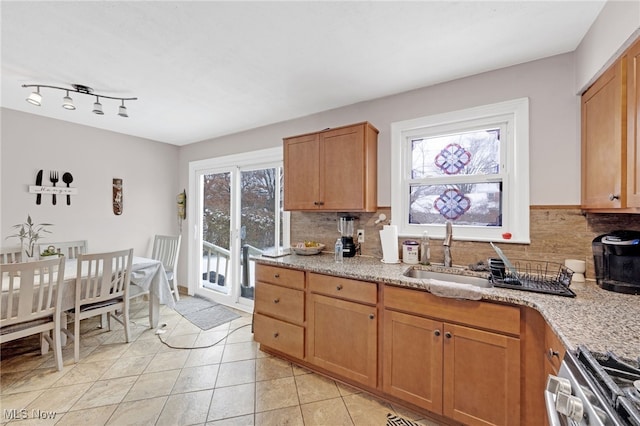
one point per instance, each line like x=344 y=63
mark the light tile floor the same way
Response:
x=218 y=380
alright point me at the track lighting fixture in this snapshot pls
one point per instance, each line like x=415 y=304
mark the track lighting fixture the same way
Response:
x=67 y=102
x=97 y=107
x=122 y=111
x=35 y=98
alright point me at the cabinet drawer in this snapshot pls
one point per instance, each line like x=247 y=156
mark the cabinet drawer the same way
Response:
x=490 y=316
x=281 y=276
x=280 y=302
x=554 y=349
x=279 y=335
x=344 y=288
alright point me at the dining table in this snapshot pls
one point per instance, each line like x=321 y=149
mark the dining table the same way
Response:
x=147 y=274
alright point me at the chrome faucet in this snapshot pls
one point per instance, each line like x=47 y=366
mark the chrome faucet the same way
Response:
x=447 y=244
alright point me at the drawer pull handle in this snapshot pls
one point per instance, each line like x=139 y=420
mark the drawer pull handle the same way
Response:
x=447 y=335
x=276 y=300
x=614 y=197
x=276 y=334
x=371 y=316
x=551 y=353
x=437 y=332
x=276 y=275
x=339 y=287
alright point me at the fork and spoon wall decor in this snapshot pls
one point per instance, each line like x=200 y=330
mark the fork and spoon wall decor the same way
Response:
x=54 y=178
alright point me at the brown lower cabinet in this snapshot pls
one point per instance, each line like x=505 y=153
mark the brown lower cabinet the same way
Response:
x=464 y=373
x=472 y=362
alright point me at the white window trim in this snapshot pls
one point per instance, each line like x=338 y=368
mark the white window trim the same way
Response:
x=516 y=172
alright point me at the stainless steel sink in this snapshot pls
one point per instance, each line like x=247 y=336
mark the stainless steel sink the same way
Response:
x=419 y=273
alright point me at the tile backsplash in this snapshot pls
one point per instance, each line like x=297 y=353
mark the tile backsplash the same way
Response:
x=557 y=233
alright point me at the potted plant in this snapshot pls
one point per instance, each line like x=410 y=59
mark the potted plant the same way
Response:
x=29 y=233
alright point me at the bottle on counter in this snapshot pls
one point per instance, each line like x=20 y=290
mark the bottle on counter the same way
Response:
x=425 y=249
x=338 y=250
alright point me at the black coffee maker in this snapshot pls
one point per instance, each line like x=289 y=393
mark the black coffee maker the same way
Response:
x=617 y=261
x=345 y=227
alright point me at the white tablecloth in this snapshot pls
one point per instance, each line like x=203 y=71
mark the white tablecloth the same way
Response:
x=149 y=274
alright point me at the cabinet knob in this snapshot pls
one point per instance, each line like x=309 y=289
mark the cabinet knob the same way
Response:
x=318 y=203
x=437 y=332
x=276 y=276
x=276 y=300
x=551 y=353
x=614 y=197
x=371 y=316
x=447 y=335
x=276 y=334
x=339 y=287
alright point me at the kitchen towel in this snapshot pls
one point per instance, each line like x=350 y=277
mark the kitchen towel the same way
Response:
x=389 y=241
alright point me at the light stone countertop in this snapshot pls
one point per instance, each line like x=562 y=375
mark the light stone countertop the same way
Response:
x=600 y=319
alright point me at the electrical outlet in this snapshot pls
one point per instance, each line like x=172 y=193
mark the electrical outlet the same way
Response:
x=361 y=235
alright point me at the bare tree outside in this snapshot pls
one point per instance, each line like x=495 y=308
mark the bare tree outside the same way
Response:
x=444 y=159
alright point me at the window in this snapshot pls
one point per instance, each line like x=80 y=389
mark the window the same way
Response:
x=470 y=167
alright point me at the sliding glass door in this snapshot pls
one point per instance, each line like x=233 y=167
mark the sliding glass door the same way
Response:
x=238 y=214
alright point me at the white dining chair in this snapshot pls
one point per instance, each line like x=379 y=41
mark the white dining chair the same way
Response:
x=10 y=255
x=70 y=249
x=31 y=303
x=167 y=249
x=102 y=287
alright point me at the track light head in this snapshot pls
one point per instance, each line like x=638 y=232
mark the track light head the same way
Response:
x=35 y=98
x=67 y=102
x=97 y=107
x=122 y=111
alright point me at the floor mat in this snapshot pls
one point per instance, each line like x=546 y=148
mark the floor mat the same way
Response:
x=395 y=420
x=204 y=313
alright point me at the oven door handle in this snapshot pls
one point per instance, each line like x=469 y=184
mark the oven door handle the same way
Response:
x=552 y=413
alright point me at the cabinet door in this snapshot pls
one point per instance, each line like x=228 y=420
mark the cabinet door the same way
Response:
x=342 y=176
x=481 y=377
x=633 y=123
x=412 y=363
x=342 y=338
x=602 y=141
x=302 y=173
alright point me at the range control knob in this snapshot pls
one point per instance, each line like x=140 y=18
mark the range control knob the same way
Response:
x=570 y=406
x=557 y=384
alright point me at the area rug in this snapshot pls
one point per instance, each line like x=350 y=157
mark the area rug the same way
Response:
x=395 y=420
x=204 y=313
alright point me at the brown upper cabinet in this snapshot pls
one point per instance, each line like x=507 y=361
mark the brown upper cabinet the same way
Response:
x=610 y=141
x=332 y=170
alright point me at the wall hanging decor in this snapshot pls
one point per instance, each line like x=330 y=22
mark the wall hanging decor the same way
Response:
x=117 y=196
x=53 y=177
x=181 y=200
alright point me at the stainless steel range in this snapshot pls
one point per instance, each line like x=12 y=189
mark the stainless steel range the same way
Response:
x=594 y=390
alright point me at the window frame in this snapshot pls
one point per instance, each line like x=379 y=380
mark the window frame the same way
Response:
x=513 y=116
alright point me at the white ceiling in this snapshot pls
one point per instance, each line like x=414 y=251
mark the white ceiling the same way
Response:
x=205 y=69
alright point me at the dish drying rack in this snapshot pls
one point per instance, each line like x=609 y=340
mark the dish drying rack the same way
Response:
x=536 y=276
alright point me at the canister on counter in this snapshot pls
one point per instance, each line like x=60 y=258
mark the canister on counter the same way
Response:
x=410 y=252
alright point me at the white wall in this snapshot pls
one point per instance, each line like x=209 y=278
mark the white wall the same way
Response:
x=617 y=25
x=94 y=157
x=554 y=123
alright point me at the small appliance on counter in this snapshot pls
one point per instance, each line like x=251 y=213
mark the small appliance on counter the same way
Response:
x=616 y=256
x=346 y=228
